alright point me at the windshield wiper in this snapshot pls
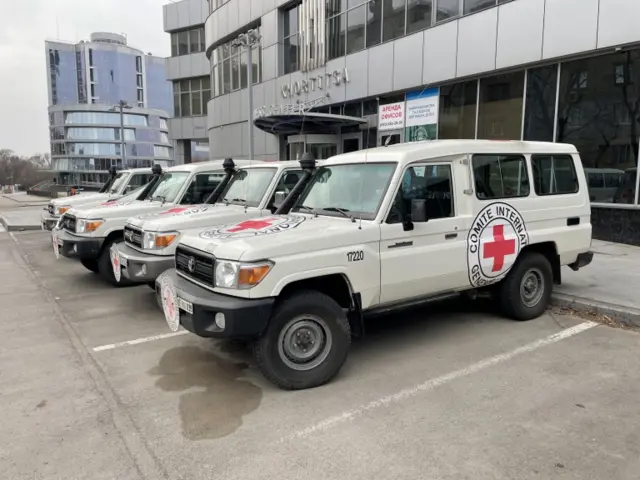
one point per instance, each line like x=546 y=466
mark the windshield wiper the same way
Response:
x=241 y=200
x=308 y=209
x=160 y=198
x=342 y=211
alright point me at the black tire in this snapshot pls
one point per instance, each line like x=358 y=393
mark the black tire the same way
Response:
x=91 y=265
x=267 y=350
x=152 y=285
x=106 y=270
x=511 y=297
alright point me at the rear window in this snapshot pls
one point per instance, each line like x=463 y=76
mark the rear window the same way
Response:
x=554 y=174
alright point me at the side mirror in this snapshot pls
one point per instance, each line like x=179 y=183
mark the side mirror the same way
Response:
x=419 y=211
x=279 y=199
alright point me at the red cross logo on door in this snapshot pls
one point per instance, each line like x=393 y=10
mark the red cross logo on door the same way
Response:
x=251 y=225
x=499 y=248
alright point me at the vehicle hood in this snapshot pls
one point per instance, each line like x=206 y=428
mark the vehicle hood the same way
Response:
x=182 y=217
x=84 y=199
x=118 y=209
x=280 y=235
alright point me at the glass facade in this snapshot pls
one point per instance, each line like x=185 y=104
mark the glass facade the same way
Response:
x=187 y=42
x=63 y=76
x=191 y=96
x=99 y=134
x=104 y=118
x=229 y=64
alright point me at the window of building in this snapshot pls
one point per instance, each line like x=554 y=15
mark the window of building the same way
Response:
x=472 y=6
x=291 y=40
x=230 y=70
x=447 y=9
x=500 y=107
x=393 y=23
x=91 y=133
x=500 y=176
x=161 y=152
x=187 y=42
x=138 y=64
x=458 y=103
x=554 y=174
x=356 y=27
x=191 y=95
x=431 y=183
x=594 y=97
x=539 y=115
x=419 y=14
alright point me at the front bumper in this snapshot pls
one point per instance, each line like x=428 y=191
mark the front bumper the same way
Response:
x=48 y=221
x=582 y=261
x=80 y=248
x=244 y=318
x=142 y=267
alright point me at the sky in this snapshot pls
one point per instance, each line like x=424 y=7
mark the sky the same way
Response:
x=26 y=24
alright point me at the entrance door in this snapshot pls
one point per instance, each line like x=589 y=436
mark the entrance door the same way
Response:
x=392 y=136
x=351 y=142
x=320 y=146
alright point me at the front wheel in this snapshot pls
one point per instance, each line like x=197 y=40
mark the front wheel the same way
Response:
x=526 y=292
x=306 y=343
x=109 y=265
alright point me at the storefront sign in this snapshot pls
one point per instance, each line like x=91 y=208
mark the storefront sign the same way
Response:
x=292 y=109
x=391 y=116
x=422 y=115
x=319 y=82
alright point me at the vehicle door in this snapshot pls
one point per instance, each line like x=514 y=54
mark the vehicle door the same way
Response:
x=420 y=259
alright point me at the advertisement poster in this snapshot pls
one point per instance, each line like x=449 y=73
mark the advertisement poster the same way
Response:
x=422 y=115
x=391 y=116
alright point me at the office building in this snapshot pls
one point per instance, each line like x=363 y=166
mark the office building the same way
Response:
x=85 y=82
x=333 y=76
x=188 y=70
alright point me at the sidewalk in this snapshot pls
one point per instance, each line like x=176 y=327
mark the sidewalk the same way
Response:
x=22 y=214
x=608 y=286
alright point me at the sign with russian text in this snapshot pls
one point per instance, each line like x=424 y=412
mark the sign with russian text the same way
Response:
x=422 y=115
x=391 y=116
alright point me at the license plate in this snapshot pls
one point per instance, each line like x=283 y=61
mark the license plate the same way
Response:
x=186 y=306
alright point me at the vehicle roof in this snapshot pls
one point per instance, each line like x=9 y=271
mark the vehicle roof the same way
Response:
x=136 y=170
x=603 y=170
x=281 y=164
x=436 y=149
x=205 y=166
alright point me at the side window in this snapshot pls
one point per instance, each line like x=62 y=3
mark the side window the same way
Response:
x=432 y=183
x=136 y=181
x=202 y=185
x=288 y=180
x=500 y=176
x=554 y=174
x=612 y=180
x=596 y=180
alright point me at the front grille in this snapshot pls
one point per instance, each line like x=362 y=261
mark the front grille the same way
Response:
x=50 y=209
x=68 y=223
x=133 y=236
x=202 y=264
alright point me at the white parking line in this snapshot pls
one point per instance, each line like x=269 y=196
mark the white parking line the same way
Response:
x=138 y=341
x=436 y=382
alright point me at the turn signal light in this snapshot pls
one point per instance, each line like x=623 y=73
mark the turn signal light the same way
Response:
x=249 y=276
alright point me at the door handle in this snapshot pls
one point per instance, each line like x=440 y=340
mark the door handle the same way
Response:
x=573 y=221
x=450 y=236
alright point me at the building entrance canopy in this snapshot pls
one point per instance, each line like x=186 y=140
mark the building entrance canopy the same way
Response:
x=291 y=123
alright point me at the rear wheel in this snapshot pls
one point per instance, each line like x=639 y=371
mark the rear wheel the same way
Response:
x=306 y=343
x=106 y=265
x=526 y=292
x=91 y=265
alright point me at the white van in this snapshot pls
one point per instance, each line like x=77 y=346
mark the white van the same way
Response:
x=377 y=230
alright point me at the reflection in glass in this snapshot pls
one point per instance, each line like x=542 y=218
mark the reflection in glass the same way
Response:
x=336 y=36
x=169 y=186
x=80 y=133
x=374 y=23
x=541 y=103
x=418 y=15
x=599 y=113
x=500 y=108
x=447 y=9
x=458 y=110
x=472 y=6
x=247 y=187
x=104 y=118
x=355 y=29
x=393 y=19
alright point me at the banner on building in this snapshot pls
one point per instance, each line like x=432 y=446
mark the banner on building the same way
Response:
x=391 y=116
x=422 y=115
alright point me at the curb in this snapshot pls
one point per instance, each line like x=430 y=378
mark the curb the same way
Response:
x=626 y=315
x=18 y=228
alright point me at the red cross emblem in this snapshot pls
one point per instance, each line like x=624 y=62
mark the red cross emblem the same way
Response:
x=251 y=225
x=499 y=248
x=175 y=210
x=116 y=261
x=169 y=303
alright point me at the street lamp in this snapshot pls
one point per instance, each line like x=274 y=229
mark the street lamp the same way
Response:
x=120 y=106
x=249 y=40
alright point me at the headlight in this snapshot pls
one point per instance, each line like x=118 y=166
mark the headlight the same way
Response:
x=240 y=275
x=60 y=210
x=158 y=241
x=87 y=226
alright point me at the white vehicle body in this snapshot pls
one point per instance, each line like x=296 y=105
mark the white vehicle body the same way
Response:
x=493 y=208
x=143 y=260
x=126 y=181
x=85 y=233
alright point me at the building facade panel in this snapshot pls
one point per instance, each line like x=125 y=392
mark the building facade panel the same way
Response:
x=520 y=28
x=380 y=73
x=477 y=43
x=617 y=22
x=407 y=66
x=570 y=27
x=440 y=53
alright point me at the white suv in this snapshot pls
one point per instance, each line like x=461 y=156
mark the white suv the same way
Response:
x=381 y=229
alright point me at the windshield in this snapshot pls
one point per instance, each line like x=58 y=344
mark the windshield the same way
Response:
x=248 y=186
x=168 y=187
x=118 y=183
x=355 y=190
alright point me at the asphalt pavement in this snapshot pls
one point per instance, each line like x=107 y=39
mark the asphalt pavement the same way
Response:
x=94 y=386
